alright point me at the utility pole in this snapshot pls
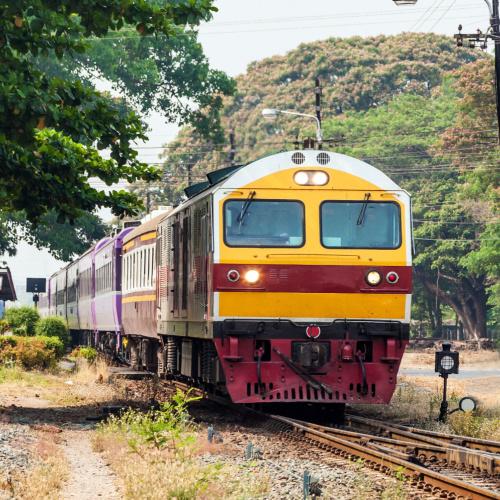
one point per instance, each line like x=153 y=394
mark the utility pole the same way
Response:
x=232 y=150
x=317 y=92
x=481 y=39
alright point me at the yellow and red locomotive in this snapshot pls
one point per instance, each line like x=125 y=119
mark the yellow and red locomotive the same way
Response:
x=286 y=280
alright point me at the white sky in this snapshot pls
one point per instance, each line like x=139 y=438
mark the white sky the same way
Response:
x=243 y=31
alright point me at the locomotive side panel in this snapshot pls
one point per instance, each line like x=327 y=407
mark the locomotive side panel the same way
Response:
x=184 y=271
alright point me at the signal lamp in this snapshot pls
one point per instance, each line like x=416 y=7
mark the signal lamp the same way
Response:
x=373 y=278
x=446 y=361
x=233 y=275
x=392 y=277
x=252 y=276
x=311 y=178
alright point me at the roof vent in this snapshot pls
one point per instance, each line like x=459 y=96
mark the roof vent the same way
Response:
x=323 y=158
x=298 y=158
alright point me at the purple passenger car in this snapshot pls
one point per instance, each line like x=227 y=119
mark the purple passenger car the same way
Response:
x=87 y=293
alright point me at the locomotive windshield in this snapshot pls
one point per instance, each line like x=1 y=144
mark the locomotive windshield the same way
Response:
x=263 y=223
x=343 y=227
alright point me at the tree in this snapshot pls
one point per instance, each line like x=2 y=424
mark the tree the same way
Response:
x=63 y=240
x=357 y=74
x=53 y=126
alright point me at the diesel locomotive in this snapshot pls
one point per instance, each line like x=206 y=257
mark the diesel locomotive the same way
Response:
x=285 y=280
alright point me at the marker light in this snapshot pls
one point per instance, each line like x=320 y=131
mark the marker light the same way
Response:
x=310 y=178
x=392 y=277
x=233 y=275
x=373 y=278
x=252 y=276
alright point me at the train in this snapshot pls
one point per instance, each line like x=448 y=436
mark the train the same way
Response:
x=284 y=280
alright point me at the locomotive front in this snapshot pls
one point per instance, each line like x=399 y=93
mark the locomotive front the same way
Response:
x=311 y=280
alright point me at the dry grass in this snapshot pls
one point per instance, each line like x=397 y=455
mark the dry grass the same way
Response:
x=416 y=402
x=468 y=359
x=46 y=479
x=86 y=385
x=159 y=474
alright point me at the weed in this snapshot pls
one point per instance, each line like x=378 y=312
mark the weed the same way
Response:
x=88 y=353
x=165 y=444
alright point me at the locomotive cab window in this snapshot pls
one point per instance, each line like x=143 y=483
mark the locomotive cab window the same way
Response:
x=263 y=223
x=360 y=224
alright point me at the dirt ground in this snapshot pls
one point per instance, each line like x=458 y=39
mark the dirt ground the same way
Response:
x=47 y=424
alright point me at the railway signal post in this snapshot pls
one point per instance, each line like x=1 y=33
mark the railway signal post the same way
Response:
x=446 y=363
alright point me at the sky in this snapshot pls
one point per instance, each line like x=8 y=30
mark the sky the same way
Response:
x=243 y=32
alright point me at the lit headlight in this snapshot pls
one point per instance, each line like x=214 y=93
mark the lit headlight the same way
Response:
x=319 y=178
x=373 y=278
x=311 y=178
x=252 y=276
x=301 y=178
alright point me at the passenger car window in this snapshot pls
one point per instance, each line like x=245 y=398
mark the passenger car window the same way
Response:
x=350 y=225
x=263 y=223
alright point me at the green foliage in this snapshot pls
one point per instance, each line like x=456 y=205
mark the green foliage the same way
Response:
x=168 y=427
x=88 y=353
x=4 y=326
x=22 y=320
x=64 y=241
x=30 y=352
x=54 y=124
x=53 y=326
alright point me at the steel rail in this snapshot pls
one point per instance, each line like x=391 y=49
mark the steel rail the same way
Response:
x=418 y=475
x=455 y=456
x=437 y=438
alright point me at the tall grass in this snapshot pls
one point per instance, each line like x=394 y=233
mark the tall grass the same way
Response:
x=163 y=447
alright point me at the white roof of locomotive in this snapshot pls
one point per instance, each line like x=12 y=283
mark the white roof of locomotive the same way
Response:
x=283 y=161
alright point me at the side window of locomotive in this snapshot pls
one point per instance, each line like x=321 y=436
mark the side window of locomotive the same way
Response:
x=357 y=224
x=264 y=223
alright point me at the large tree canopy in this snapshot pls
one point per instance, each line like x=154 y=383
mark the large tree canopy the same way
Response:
x=54 y=124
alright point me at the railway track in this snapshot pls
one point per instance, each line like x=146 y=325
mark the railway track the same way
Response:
x=425 y=467
x=440 y=465
x=448 y=440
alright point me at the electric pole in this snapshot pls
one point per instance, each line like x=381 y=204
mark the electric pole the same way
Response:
x=232 y=150
x=481 y=39
x=317 y=92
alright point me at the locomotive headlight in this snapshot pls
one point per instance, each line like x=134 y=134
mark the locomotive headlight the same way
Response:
x=252 y=276
x=311 y=178
x=301 y=178
x=319 y=178
x=373 y=278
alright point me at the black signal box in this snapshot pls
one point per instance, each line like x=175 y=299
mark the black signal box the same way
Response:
x=36 y=285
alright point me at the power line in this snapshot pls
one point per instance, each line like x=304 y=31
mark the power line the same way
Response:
x=273 y=29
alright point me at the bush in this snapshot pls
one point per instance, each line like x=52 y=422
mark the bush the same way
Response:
x=4 y=326
x=88 y=353
x=31 y=352
x=22 y=320
x=53 y=326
